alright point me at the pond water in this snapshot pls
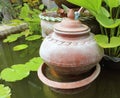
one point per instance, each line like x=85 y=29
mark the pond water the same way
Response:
x=107 y=85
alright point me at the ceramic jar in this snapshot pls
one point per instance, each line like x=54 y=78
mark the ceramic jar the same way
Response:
x=71 y=48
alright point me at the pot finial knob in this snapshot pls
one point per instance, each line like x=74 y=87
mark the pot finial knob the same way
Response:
x=71 y=14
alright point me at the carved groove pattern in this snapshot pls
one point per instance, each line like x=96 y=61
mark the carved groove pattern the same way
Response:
x=67 y=43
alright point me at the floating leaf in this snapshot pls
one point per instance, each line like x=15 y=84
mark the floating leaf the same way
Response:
x=4 y=91
x=12 y=37
x=20 y=71
x=102 y=40
x=33 y=37
x=16 y=72
x=34 y=63
x=20 y=47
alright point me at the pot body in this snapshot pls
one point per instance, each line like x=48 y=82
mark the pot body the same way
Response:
x=70 y=53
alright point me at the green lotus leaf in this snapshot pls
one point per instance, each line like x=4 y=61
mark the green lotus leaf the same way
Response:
x=34 y=64
x=104 y=11
x=16 y=72
x=112 y=3
x=102 y=40
x=106 y=21
x=33 y=37
x=93 y=5
x=4 y=91
x=20 y=47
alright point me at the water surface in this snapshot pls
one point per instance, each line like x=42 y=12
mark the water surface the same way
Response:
x=107 y=85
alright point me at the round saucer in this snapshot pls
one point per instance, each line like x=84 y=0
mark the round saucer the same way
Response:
x=63 y=86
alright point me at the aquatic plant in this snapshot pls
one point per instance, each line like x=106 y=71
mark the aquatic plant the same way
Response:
x=20 y=47
x=5 y=91
x=15 y=37
x=20 y=71
x=107 y=13
x=31 y=16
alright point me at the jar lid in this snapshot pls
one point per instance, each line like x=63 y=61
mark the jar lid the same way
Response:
x=69 y=25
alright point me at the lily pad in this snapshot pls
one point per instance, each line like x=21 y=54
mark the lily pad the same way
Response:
x=102 y=40
x=33 y=37
x=34 y=64
x=16 y=72
x=12 y=38
x=4 y=91
x=20 y=47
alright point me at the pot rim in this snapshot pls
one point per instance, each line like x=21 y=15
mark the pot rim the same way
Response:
x=46 y=16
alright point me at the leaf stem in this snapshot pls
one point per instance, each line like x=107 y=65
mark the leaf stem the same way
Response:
x=102 y=30
x=118 y=12
x=118 y=32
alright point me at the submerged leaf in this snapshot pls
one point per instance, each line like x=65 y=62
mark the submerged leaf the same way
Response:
x=102 y=40
x=4 y=91
x=16 y=72
x=20 y=47
x=33 y=37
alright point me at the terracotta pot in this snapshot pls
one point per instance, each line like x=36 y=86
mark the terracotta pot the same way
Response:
x=47 y=21
x=71 y=48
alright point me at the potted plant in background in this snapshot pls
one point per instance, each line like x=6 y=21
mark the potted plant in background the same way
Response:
x=50 y=17
x=107 y=13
